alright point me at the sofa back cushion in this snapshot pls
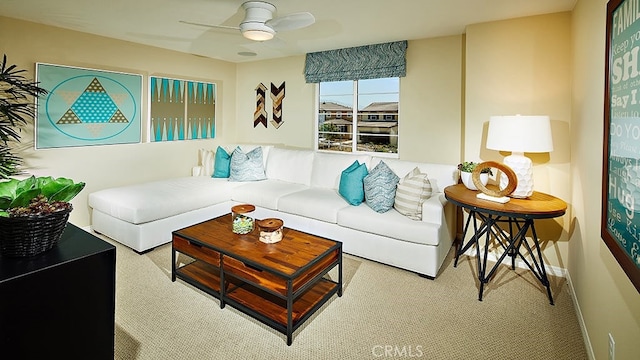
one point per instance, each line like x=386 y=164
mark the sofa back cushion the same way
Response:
x=328 y=167
x=440 y=175
x=290 y=165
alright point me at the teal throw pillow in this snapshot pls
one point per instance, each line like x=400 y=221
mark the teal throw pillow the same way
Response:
x=380 y=187
x=246 y=167
x=351 y=187
x=222 y=163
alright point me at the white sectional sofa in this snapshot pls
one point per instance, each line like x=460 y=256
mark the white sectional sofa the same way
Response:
x=301 y=188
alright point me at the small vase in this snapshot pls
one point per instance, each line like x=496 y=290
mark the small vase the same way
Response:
x=467 y=179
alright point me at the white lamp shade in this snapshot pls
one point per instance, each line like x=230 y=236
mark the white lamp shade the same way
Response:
x=518 y=133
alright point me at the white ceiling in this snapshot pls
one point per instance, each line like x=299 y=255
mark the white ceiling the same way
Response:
x=339 y=23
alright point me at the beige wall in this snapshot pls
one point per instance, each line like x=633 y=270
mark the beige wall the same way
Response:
x=607 y=300
x=298 y=106
x=453 y=85
x=430 y=102
x=522 y=66
x=104 y=166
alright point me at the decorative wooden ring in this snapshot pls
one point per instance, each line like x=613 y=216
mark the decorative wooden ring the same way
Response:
x=511 y=186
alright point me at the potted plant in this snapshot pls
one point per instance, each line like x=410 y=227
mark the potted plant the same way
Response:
x=33 y=213
x=466 y=168
x=16 y=109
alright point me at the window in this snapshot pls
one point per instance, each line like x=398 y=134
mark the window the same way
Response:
x=363 y=103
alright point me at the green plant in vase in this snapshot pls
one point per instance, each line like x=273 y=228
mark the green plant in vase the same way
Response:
x=469 y=166
x=37 y=196
x=466 y=168
x=33 y=211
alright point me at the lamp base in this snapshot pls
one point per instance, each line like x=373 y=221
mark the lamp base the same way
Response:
x=522 y=166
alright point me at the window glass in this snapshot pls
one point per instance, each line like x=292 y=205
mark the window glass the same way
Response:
x=364 y=110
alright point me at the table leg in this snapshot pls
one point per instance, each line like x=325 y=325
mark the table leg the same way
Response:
x=223 y=292
x=340 y=272
x=513 y=249
x=289 y=312
x=173 y=263
x=489 y=221
x=543 y=273
x=462 y=247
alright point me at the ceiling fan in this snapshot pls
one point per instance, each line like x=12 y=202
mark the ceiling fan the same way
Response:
x=259 y=23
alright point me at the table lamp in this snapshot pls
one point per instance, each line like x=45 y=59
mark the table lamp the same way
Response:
x=520 y=134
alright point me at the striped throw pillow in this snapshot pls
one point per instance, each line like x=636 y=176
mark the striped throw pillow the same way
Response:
x=412 y=191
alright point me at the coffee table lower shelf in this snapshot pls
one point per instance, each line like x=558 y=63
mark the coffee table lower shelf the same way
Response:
x=259 y=303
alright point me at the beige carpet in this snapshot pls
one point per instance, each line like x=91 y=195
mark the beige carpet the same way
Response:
x=384 y=312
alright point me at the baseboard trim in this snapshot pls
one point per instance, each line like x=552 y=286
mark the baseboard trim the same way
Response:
x=583 y=326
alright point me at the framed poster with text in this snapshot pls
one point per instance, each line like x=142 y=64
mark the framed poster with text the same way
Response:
x=620 y=220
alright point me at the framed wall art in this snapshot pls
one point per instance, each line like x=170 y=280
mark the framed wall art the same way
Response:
x=620 y=220
x=87 y=107
x=181 y=109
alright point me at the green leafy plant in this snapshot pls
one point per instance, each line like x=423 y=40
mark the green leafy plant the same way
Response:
x=469 y=166
x=37 y=195
x=16 y=109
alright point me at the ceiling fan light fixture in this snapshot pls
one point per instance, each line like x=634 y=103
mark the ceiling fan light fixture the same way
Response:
x=257 y=31
x=258 y=35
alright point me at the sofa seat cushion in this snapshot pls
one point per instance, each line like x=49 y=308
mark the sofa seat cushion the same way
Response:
x=264 y=193
x=391 y=224
x=141 y=203
x=315 y=203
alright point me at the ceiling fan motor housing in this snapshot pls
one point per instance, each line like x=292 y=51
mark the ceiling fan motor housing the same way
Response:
x=257 y=12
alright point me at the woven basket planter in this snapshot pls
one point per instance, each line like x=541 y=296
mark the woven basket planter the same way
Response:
x=31 y=235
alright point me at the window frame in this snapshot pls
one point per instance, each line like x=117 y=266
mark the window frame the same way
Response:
x=354 y=131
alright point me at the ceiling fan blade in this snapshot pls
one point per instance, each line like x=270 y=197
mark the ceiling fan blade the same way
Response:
x=235 y=28
x=291 y=21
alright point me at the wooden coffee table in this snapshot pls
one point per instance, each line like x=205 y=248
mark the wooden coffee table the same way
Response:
x=280 y=284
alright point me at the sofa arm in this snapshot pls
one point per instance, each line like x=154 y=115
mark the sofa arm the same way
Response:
x=433 y=209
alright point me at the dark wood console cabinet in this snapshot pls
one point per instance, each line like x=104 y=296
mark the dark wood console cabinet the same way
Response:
x=60 y=304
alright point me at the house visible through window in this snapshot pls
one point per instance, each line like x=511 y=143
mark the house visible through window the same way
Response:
x=368 y=120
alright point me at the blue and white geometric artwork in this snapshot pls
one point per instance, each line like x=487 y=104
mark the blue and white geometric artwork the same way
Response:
x=181 y=109
x=87 y=107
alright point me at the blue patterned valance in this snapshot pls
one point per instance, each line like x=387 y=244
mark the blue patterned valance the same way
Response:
x=357 y=63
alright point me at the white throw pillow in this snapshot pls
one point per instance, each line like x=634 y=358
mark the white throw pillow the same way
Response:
x=413 y=189
x=205 y=161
